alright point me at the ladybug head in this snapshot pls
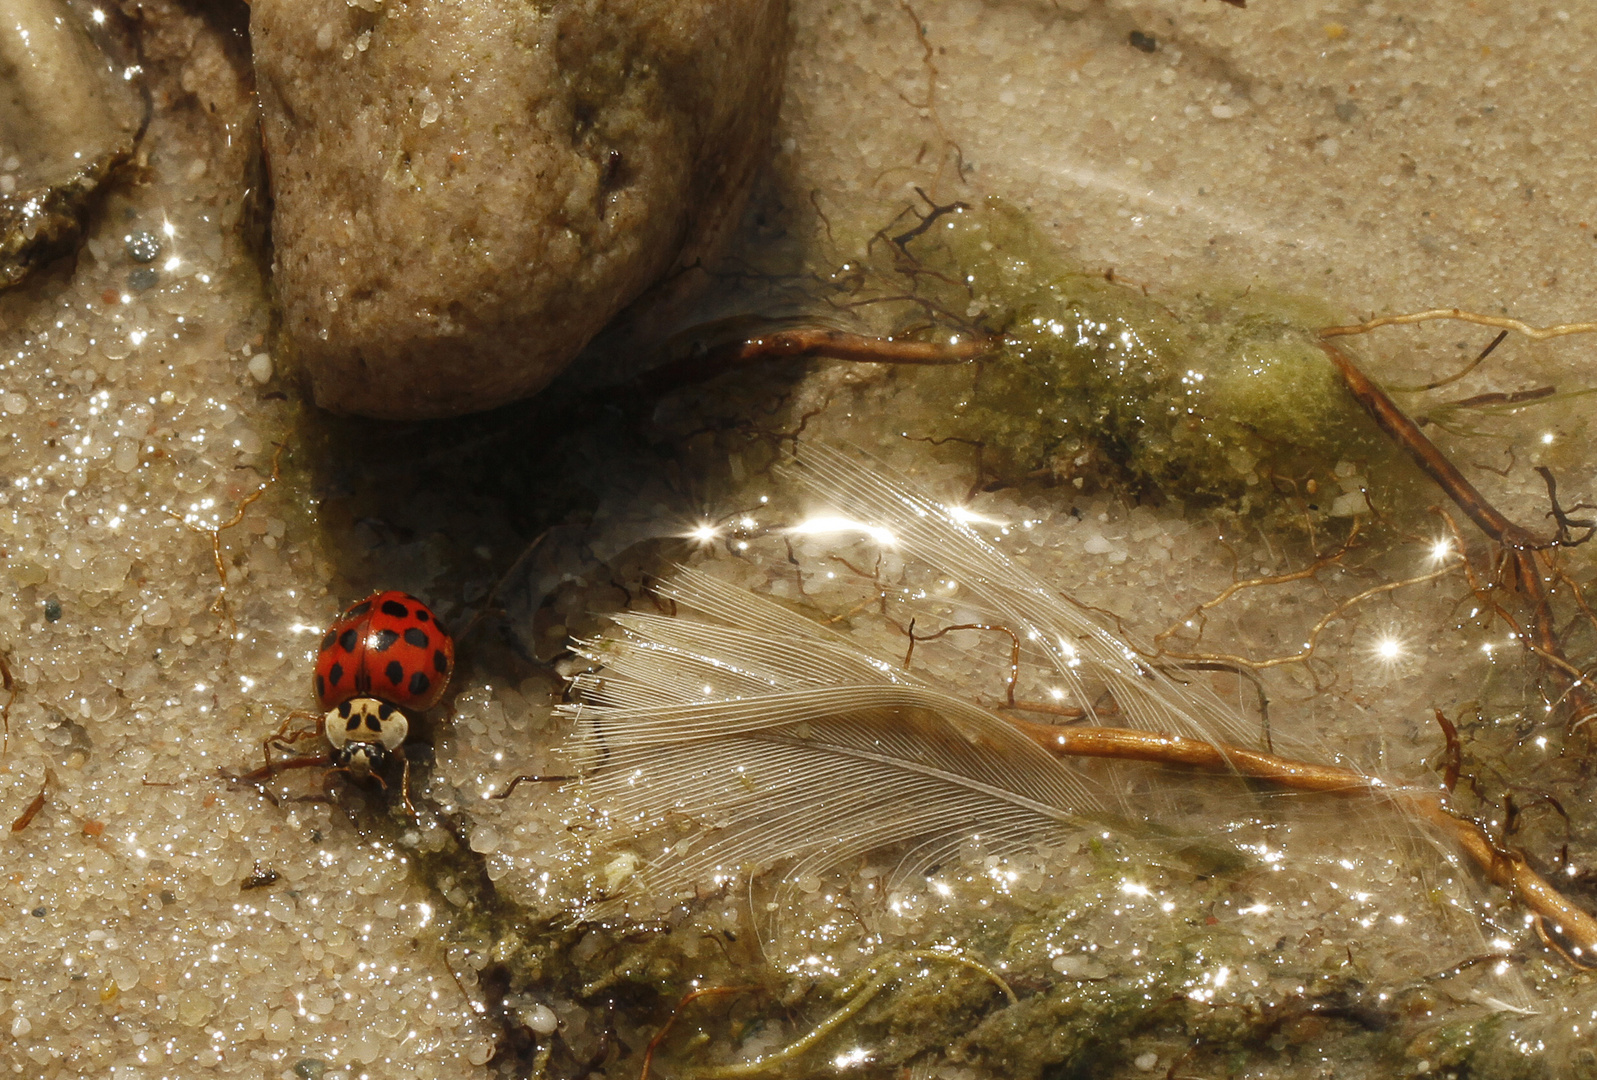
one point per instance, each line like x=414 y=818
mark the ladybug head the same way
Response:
x=365 y=733
x=362 y=759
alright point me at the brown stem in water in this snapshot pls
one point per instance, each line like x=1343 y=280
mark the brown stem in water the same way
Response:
x=1525 y=551
x=1507 y=869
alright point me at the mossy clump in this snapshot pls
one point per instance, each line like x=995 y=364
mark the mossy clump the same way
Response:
x=1220 y=400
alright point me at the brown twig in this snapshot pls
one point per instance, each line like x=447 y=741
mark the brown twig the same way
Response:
x=26 y=817
x=1524 y=550
x=812 y=343
x=1507 y=869
x=1424 y=453
x=8 y=684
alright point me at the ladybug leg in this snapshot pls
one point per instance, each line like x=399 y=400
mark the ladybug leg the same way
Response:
x=285 y=738
x=272 y=768
x=404 y=781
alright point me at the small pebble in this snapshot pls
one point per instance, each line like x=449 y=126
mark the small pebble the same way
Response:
x=261 y=368
x=542 y=1019
x=52 y=609
x=145 y=277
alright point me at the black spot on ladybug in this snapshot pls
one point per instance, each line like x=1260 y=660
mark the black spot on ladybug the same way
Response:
x=384 y=711
x=422 y=615
x=353 y=724
x=327 y=641
x=416 y=636
x=419 y=683
x=321 y=686
x=396 y=609
x=355 y=611
x=440 y=661
x=372 y=723
x=395 y=672
x=346 y=640
x=335 y=674
x=343 y=709
x=381 y=640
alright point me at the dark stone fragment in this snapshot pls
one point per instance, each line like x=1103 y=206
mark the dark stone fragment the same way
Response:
x=1146 y=42
x=52 y=609
x=145 y=277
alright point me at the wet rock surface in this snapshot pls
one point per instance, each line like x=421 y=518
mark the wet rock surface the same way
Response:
x=67 y=118
x=465 y=193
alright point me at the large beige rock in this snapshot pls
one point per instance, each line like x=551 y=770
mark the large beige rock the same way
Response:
x=467 y=190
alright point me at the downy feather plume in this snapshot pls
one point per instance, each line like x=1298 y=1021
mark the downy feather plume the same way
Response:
x=783 y=740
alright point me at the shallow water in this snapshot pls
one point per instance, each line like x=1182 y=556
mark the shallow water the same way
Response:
x=1363 y=158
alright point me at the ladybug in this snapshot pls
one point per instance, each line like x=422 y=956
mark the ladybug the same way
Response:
x=382 y=656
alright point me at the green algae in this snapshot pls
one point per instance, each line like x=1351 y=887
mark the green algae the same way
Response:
x=1222 y=398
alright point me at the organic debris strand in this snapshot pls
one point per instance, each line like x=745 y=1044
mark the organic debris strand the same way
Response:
x=1507 y=869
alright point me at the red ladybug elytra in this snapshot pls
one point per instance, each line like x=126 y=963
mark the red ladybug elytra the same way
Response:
x=381 y=656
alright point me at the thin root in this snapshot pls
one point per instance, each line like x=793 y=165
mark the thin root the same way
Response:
x=530 y=779
x=1535 y=333
x=687 y=999
x=220 y=606
x=1014 y=650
